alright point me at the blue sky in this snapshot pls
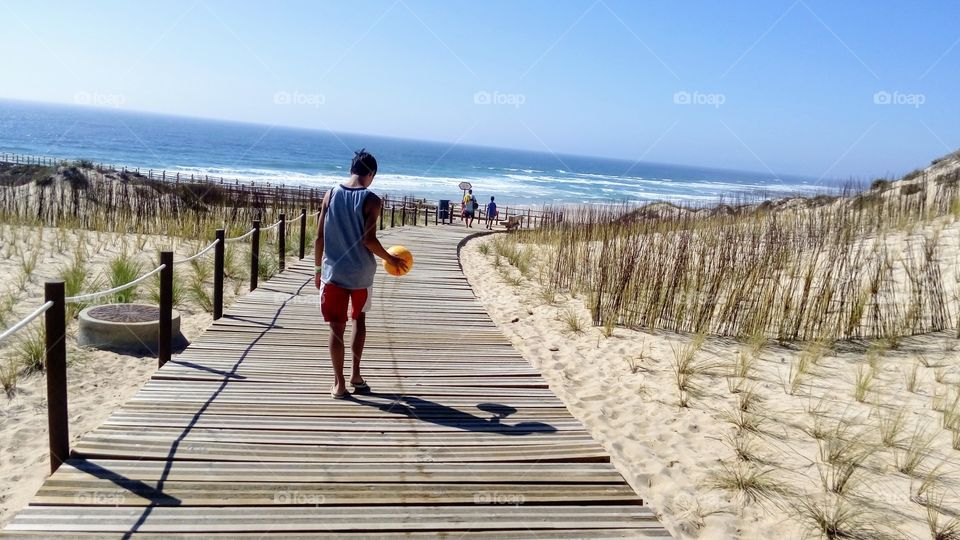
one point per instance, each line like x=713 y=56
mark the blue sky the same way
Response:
x=820 y=88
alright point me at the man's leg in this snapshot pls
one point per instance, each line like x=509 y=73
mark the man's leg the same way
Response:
x=359 y=338
x=337 y=354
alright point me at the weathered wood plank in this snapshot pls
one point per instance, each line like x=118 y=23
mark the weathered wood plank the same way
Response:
x=176 y=519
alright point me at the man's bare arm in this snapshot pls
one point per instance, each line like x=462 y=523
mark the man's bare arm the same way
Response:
x=318 y=242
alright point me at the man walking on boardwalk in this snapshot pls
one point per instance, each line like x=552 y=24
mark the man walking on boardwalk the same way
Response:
x=345 y=265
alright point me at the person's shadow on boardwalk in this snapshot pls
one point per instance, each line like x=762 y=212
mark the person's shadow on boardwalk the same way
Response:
x=430 y=411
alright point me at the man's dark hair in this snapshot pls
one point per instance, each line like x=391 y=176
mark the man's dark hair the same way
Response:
x=491 y=199
x=363 y=163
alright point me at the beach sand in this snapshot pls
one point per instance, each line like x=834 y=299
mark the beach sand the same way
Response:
x=99 y=381
x=622 y=388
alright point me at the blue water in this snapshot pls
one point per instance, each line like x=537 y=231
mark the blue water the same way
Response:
x=317 y=158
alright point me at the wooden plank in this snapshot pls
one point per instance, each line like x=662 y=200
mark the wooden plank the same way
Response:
x=174 y=519
x=340 y=409
x=255 y=471
x=94 y=445
x=97 y=492
x=445 y=426
x=516 y=534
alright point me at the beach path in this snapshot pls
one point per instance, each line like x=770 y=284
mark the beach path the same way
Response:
x=239 y=437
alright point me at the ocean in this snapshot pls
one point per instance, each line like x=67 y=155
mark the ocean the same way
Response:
x=432 y=170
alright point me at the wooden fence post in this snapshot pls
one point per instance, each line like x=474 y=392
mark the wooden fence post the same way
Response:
x=282 y=241
x=303 y=232
x=56 y=342
x=403 y=214
x=218 y=270
x=165 y=340
x=255 y=255
x=393 y=212
x=381 y=217
x=436 y=215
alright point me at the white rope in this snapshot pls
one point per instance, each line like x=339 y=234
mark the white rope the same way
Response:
x=317 y=213
x=241 y=237
x=271 y=226
x=199 y=253
x=29 y=318
x=108 y=292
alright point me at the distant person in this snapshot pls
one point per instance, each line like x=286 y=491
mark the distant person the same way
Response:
x=344 y=257
x=469 y=207
x=491 y=213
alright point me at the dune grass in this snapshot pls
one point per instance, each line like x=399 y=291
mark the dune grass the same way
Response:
x=98 y=199
x=890 y=425
x=910 y=377
x=756 y=269
x=836 y=517
x=942 y=526
x=915 y=451
x=685 y=367
x=9 y=374
x=123 y=269
x=863 y=382
x=30 y=348
x=749 y=482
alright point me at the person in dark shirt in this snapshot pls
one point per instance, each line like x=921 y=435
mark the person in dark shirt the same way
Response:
x=491 y=213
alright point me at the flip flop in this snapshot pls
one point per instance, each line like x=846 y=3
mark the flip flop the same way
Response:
x=335 y=395
x=361 y=387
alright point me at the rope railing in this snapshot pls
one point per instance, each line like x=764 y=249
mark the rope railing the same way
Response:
x=119 y=288
x=200 y=253
x=271 y=227
x=55 y=318
x=25 y=321
x=242 y=237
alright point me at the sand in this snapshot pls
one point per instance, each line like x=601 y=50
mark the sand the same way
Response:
x=622 y=388
x=99 y=381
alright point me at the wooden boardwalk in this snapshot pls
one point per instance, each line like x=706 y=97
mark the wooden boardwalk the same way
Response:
x=238 y=436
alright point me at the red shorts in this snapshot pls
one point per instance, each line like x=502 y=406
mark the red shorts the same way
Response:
x=334 y=301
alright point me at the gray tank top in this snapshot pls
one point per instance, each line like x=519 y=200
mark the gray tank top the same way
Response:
x=347 y=262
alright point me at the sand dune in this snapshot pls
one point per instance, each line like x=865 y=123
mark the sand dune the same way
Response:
x=622 y=387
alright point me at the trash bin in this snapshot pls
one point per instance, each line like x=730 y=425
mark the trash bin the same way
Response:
x=444 y=209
